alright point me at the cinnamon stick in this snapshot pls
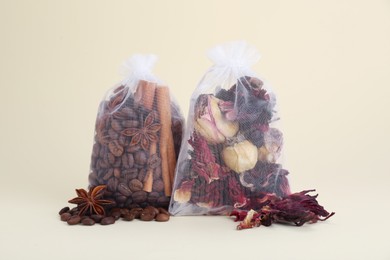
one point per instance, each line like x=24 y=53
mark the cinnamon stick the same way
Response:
x=164 y=110
x=145 y=95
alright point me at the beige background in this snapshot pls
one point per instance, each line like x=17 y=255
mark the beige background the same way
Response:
x=329 y=62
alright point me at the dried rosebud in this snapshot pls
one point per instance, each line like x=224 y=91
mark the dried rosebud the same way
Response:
x=241 y=156
x=210 y=122
x=272 y=148
x=183 y=194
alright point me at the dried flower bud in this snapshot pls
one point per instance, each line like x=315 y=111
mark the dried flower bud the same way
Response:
x=272 y=148
x=210 y=122
x=241 y=156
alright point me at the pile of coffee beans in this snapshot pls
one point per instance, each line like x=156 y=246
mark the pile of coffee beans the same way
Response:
x=121 y=166
x=149 y=213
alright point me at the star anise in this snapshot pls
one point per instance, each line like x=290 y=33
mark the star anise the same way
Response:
x=144 y=135
x=91 y=201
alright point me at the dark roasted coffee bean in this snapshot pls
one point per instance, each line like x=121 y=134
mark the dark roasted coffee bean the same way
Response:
x=115 y=148
x=107 y=221
x=74 y=220
x=133 y=148
x=139 y=196
x=163 y=201
x=147 y=215
x=110 y=158
x=63 y=210
x=95 y=150
x=157 y=173
x=151 y=208
x=123 y=140
x=130 y=123
x=116 y=214
x=134 y=206
x=116 y=125
x=162 y=217
x=164 y=211
x=112 y=184
x=124 y=211
x=142 y=173
x=112 y=134
x=120 y=198
x=140 y=158
x=129 y=202
x=128 y=217
x=88 y=221
x=124 y=189
x=152 y=197
x=97 y=218
x=117 y=173
x=130 y=174
x=135 y=185
x=136 y=212
x=109 y=174
x=65 y=216
x=74 y=210
x=158 y=185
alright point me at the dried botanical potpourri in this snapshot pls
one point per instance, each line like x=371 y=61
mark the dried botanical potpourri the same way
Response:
x=232 y=145
x=137 y=139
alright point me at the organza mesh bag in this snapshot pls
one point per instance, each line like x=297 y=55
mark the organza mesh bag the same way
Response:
x=231 y=150
x=137 y=139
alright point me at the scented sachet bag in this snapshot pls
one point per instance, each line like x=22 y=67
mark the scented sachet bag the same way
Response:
x=232 y=146
x=137 y=139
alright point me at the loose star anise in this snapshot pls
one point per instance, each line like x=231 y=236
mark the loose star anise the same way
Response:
x=91 y=201
x=144 y=135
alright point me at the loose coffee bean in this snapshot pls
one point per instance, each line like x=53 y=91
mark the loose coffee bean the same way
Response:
x=124 y=189
x=136 y=212
x=116 y=215
x=158 y=185
x=128 y=217
x=151 y=208
x=139 y=196
x=107 y=221
x=65 y=216
x=140 y=158
x=63 y=210
x=124 y=211
x=147 y=215
x=135 y=185
x=74 y=220
x=162 y=217
x=115 y=148
x=88 y=222
x=164 y=211
x=97 y=218
x=74 y=210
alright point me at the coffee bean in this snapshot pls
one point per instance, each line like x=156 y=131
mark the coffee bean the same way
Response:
x=124 y=189
x=97 y=218
x=140 y=158
x=63 y=210
x=130 y=158
x=134 y=206
x=162 y=217
x=129 y=112
x=133 y=148
x=139 y=196
x=163 y=201
x=130 y=174
x=158 y=185
x=142 y=173
x=88 y=221
x=107 y=221
x=116 y=125
x=115 y=148
x=128 y=202
x=135 y=185
x=157 y=173
x=109 y=174
x=124 y=211
x=112 y=134
x=65 y=216
x=164 y=211
x=123 y=140
x=110 y=158
x=112 y=184
x=74 y=220
x=151 y=208
x=116 y=215
x=136 y=212
x=147 y=215
x=120 y=198
x=128 y=217
x=152 y=197
x=74 y=210
x=130 y=123
x=95 y=149
x=117 y=173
